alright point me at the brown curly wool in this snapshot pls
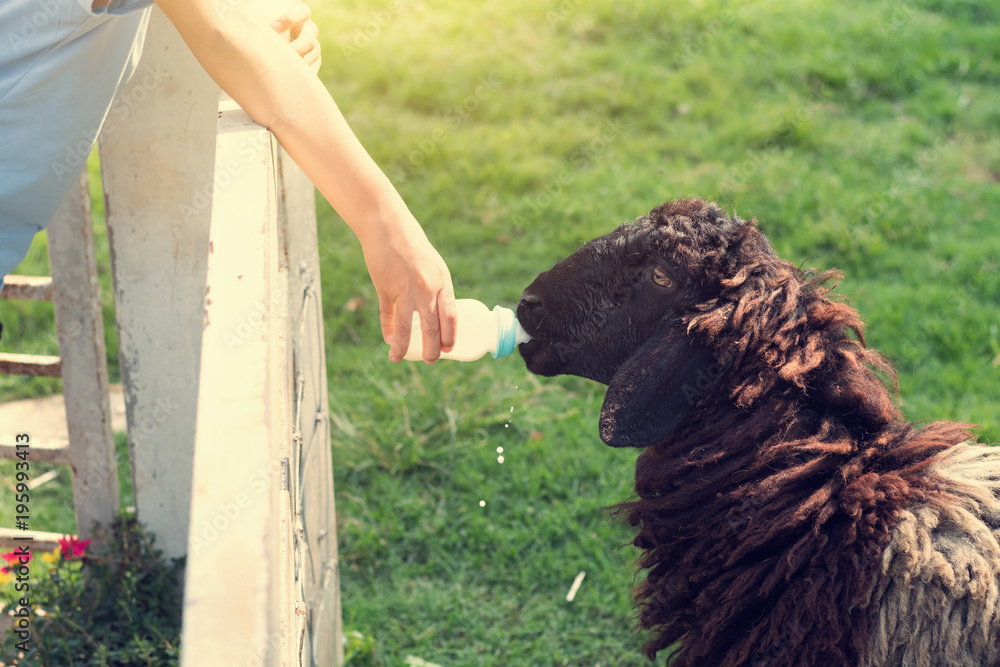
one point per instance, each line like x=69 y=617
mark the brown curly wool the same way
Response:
x=801 y=521
x=786 y=513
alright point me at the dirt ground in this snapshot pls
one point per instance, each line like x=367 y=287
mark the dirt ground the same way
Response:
x=44 y=419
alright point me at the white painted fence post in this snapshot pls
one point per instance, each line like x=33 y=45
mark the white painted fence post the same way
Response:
x=234 y=604
x=157 y=165
x=262 y=583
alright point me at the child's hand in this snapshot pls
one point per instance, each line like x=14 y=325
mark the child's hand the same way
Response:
x=409 y=275
x=303 y=33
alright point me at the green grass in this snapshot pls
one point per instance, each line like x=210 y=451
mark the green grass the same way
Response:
x=861 y=135
x=51 y=503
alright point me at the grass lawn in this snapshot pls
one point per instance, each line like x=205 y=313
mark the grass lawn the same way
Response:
x=862 y=135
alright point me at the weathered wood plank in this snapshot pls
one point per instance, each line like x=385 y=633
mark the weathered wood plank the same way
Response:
x=11 y=538
x=80 y=325
x=27 y=288
x=34 y=365
x=47 y=451
x=157 y=165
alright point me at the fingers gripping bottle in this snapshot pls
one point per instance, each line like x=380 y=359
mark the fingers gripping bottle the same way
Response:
x=480 y=330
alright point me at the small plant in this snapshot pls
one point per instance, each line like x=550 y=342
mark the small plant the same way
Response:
x=116 y=606
x=359 y=649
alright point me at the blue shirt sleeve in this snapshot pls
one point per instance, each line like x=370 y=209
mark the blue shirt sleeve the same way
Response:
x=62 y=66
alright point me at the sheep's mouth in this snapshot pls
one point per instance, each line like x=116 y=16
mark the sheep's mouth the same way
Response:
x=542 y=357
x=546 y=353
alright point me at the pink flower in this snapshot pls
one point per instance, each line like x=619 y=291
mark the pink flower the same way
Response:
x=72 y=547
x=13 y=558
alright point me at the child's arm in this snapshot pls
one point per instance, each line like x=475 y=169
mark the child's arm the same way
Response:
x=244 y=54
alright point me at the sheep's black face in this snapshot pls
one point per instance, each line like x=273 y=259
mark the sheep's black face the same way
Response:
x=593 y=310
x=615 y=312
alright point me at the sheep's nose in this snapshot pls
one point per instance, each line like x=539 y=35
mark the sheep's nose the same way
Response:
x=529 y=310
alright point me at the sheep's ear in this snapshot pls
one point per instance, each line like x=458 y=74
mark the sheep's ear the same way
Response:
x=654 y=391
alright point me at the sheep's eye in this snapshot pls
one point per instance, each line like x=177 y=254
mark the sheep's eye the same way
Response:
x=661 y=279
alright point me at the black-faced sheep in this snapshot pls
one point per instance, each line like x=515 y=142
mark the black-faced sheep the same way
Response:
x=786 y=513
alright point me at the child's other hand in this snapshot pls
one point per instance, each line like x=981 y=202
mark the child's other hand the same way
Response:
x=303 y=33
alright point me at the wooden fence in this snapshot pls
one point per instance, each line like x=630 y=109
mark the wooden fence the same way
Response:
x=215 y=267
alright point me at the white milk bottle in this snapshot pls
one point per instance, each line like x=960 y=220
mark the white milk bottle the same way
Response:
x=480 y=330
